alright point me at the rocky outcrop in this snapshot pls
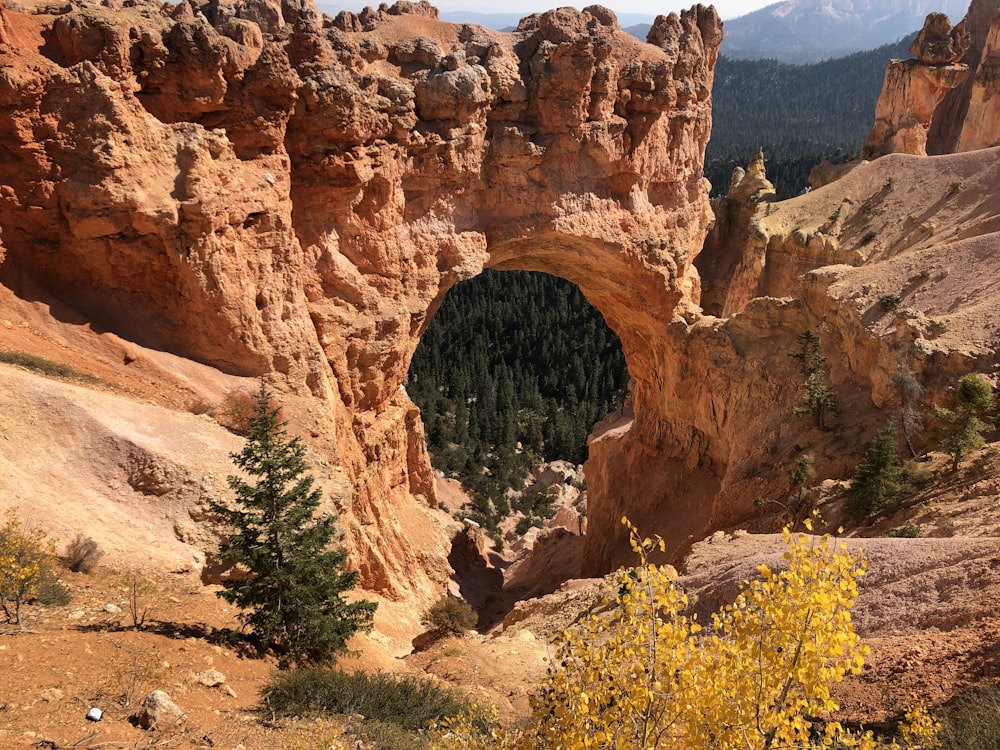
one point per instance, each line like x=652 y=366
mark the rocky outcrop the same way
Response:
x=928 y=105
x=913 y=89
x=276 y=193
x=910 y=94
x=729 y=265
x=966 y=119
x=938 y=43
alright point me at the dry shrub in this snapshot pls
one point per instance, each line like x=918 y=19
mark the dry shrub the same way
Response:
x=972 y=721
x=238 y=409
x=130 y=671
x=199 y=406
x=236 y=412
x=82 y=554
x=450 y=615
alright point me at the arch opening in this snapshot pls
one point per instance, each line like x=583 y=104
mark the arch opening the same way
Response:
x=511 y=375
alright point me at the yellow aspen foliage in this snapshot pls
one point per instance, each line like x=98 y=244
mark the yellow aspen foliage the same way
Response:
x=25 y=557
x=643 y=675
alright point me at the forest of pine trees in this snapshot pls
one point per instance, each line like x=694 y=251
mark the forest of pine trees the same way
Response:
x=799 y=114
x=513 y=359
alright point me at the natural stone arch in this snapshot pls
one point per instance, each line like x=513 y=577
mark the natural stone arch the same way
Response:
x=588 y=168
x=292 y=204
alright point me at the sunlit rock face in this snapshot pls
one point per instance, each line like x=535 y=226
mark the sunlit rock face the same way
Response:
x=277 y=193
x=943 y=100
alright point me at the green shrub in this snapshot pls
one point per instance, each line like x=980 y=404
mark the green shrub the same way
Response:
x=916 y=474
x=868 y=237
x=82 y=554
x=889 y=301
x=910 y=531
x=890 y=183
x=954 y=187
x=522 y=526
x=972 y=721
x=450 y=615
x=385 y=735
x=408 y=702
x=51 y=591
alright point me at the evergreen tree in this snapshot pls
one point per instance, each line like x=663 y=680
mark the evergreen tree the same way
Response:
x=803 y=470
x=287 y=581
x=876 y=478
x=963 y=428
x=817 y=397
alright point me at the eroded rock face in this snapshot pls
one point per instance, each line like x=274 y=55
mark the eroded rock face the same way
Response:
x=911 y=92
x=280 y=194
x=969 y=117
x=938 y=43
x=927 y=105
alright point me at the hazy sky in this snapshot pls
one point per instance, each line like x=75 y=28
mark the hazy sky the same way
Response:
x=726 y=8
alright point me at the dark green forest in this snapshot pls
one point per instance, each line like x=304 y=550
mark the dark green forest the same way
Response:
x=517 y=367
x=799 y=114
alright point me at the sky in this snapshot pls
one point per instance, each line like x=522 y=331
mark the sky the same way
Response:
x=726 y=8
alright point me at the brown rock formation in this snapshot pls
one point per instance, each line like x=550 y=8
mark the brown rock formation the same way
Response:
x=938 y=43
x=936 y=109
x=729 y=272
x=276 y=194
x=910 y=94
x=968 y=117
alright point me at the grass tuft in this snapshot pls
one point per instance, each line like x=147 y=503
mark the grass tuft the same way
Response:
x=45 y=366
x=408 y=702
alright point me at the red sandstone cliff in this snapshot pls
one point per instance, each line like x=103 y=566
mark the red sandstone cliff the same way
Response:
x=275 y=193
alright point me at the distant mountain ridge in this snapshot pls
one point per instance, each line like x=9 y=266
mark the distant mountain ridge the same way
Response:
x=509 y=21
x=794 y=31
x=804 y=31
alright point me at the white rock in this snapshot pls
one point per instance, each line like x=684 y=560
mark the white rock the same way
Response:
x=210 y=677
x=159 y=712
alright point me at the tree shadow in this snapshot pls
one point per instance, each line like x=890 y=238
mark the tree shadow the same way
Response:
x=244 y=645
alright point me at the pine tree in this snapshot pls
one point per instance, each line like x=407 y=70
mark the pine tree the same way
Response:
x=286 y=581
x=876 y=478
x=963 y=428
x=818 y=398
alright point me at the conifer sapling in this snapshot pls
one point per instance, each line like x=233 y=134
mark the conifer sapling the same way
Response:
x=286 y=579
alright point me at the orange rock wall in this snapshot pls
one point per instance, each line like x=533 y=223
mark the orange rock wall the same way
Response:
x=281 y=194
x=945 y=101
